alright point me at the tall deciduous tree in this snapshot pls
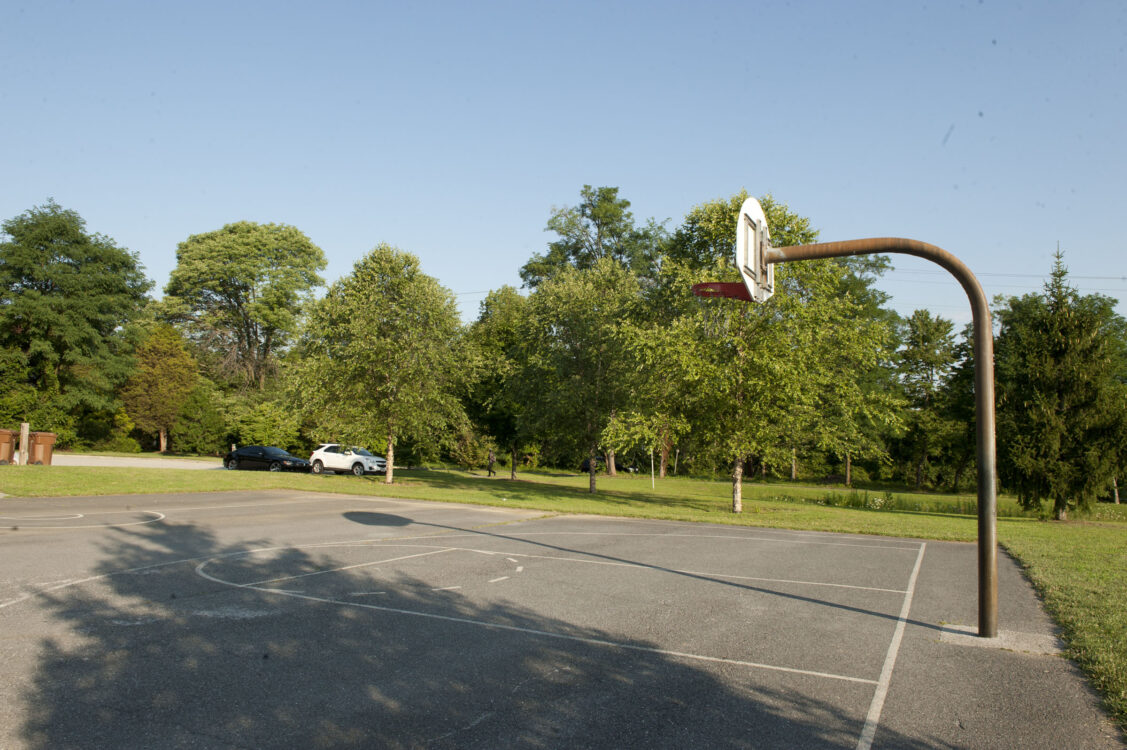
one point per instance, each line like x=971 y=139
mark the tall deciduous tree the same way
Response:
x=1060 y=363
x=494 y=402
x=160 y=386
x=927 y=360
x=785 y=373
x=576 y=373
x=601 y=226
x=238 y=291
x=380 y=357
x=67 y=298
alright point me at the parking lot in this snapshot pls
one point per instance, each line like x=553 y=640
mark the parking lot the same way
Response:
x=284 y=619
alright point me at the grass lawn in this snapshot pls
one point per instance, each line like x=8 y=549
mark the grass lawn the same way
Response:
x=1080 y=567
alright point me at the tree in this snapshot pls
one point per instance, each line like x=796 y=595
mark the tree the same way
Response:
x=1060 y=367
x=201 y=426
x=575 y=375
x=803 y=370
x=67 y=299
x=381 y=356
x=494 y=402
x=237 y=293
x=164 y=379
x=927 y=360
x=706 y=238
x=601 y=226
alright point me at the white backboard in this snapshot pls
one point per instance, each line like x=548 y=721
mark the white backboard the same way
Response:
x=752 y=241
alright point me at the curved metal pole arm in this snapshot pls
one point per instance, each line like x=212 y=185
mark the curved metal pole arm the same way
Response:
x=983 y=392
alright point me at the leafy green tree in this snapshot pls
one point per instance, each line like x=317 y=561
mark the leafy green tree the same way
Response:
x=382 y=356
x=797 y=371
x=160 y=386
x=67 y=299
x=201 y=426
x=927 y=360
x=576 y=374
x=269 y=423
x=706 y=238
x=1060 y=367
x=494 y=402
x=664 y=362
x=601 y=226
x=237 y=293
x=957 y=407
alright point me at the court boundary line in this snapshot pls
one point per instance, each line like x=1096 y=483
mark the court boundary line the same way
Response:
x=872 y=719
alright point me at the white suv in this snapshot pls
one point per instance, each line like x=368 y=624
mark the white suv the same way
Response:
x=336 y=457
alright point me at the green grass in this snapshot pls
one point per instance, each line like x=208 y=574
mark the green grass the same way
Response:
x=1079 y=567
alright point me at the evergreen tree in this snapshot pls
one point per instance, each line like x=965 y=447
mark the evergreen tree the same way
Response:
x=160 y=386
x=1060 y=365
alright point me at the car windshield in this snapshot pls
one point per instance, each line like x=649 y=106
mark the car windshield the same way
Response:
x=278 y=453
x=361 y=452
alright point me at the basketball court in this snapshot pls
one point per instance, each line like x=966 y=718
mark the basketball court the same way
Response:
x=285 y=619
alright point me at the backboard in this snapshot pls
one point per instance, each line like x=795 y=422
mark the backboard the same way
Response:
x=752 y=241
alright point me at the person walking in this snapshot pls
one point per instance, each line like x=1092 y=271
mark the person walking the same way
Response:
x=492 y=460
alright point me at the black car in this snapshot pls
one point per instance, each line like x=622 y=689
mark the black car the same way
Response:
x=259 y=457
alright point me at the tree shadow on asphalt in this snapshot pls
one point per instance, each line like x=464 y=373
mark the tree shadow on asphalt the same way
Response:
x=179 y=643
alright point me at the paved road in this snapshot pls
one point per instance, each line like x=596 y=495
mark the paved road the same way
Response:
x=140 y=462
x=284 y=619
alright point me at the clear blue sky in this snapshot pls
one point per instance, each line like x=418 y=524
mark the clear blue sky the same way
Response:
x=450 y=129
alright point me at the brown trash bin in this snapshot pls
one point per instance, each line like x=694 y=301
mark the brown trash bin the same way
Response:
x=41 y=446
x=8 y=440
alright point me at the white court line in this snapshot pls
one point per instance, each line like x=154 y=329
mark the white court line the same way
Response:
x=873 y=718
x=497 y=580
x=70 y=517
x=730 y=537
x=337 y=570
x=543 y=633
x=158 y=517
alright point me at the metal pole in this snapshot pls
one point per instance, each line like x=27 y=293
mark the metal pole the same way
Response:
x=983 y=393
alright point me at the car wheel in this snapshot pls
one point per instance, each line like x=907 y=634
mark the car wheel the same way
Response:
x=317 y=468
x=358 y=469
x=275 y=466
x=233 y=463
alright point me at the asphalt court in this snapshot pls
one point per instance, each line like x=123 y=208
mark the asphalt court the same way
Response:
x=507 y=628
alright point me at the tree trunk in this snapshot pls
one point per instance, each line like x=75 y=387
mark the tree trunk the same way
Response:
x=676 y=458
x=1115 y=488
x=1061 y=512
x=664 y=465
x=737 y=486
x=793 y=464
x=513 y=465
x=848 y=470
x=611 y=469
x=163 y=440
x=389 y=477
x=591 y=469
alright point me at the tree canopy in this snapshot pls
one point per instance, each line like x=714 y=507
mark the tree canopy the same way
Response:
x=378 y=360
x=238 y=293
x=67 y=298
x=601 y=226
